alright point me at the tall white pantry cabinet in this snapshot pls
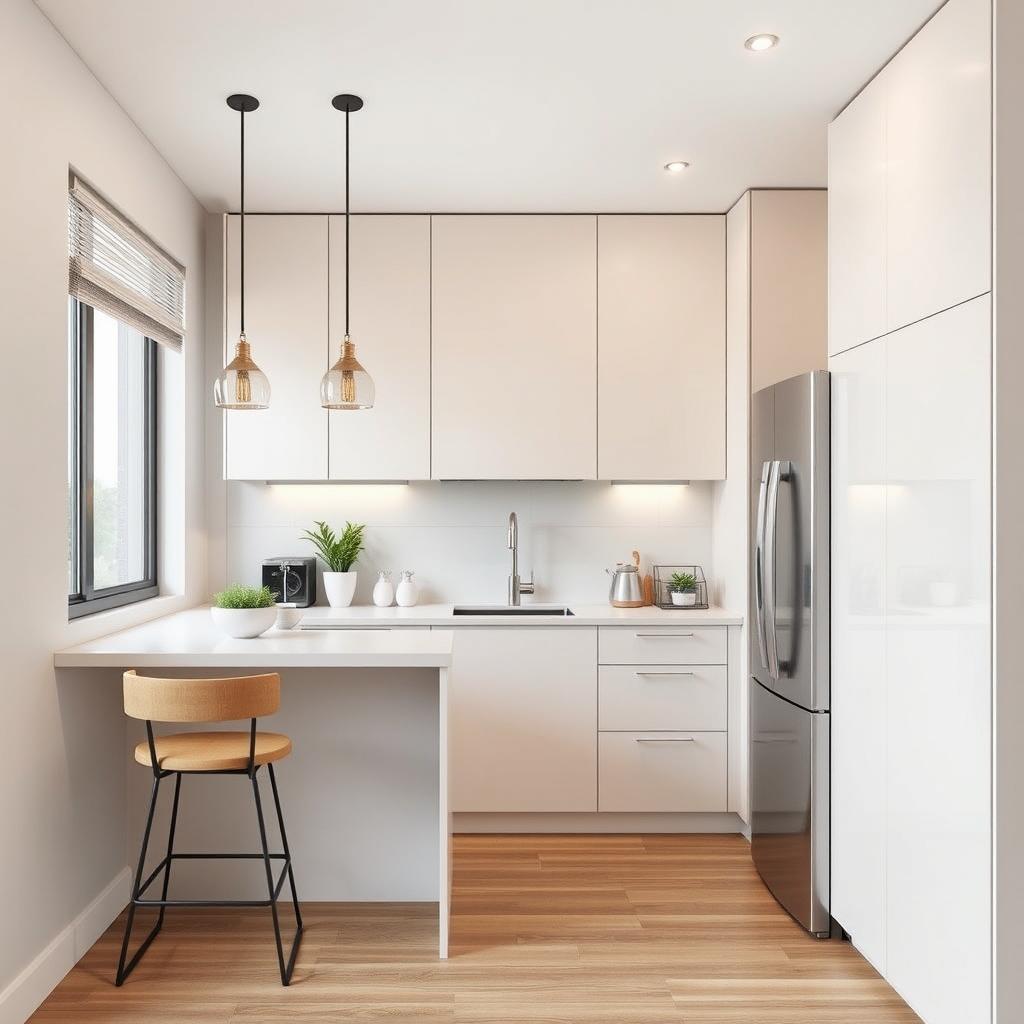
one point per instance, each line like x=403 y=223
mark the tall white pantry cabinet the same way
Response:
x=910 y=338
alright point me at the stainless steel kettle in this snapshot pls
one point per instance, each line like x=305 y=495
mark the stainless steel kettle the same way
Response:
x=626 y=590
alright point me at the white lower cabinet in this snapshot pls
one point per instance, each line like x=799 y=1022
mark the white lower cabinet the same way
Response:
x=524 y=719
x=662 y=771
x=911 y=679
x=666 y=697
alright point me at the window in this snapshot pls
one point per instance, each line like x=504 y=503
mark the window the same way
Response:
x=111 y=462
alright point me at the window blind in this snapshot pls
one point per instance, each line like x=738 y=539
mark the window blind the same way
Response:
x=114 y=267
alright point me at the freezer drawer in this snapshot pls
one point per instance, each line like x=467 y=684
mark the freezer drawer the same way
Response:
x=662 y=645
x=789 y=802
x=662 y=771
x=633 y=697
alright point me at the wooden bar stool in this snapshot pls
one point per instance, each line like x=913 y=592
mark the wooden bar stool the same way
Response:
x=208 y=753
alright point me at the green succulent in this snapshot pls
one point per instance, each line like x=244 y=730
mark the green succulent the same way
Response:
x=683 y=583
x=339 y=553
x=237 y=595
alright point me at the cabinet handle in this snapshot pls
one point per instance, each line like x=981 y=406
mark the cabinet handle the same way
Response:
x=663 y=673
x=644 y=636
x=665 y=739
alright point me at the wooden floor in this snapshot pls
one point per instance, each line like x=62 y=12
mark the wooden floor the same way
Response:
x=610 y=929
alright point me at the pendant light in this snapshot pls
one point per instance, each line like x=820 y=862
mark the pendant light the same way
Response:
x=346 y=385
x=242 y=384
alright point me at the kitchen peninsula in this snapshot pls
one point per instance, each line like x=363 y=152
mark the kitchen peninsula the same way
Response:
x=367 y=712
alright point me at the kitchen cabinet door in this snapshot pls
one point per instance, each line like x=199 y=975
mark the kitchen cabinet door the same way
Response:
x=524 y=719
x=661 y=348
x=856 y=220
x=858 y=682
x=938 y=658
x=938 y=139
x=514 y=347
x=390 y=324
x=286 y=324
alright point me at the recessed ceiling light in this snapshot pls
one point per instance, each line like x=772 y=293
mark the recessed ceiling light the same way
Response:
x=762 y=41
x=675 y=166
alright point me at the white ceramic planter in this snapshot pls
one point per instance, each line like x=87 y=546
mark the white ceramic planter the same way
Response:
x=684 y=599
x=244 y=623
x=340 y=588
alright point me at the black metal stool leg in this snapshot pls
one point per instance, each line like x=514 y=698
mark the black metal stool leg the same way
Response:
x=286 y=969
x=122 y=970
x=170 y=845
x=284 y=846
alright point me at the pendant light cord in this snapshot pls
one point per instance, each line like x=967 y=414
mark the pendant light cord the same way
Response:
x=347 y=260
x=241 y=291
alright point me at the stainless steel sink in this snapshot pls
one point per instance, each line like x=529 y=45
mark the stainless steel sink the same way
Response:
x=525 y=611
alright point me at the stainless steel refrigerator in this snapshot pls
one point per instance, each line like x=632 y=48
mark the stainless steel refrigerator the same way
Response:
x=789 y=645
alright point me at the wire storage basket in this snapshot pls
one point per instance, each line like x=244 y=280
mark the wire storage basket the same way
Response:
x=672 y=580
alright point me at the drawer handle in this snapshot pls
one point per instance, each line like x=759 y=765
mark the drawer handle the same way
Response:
x=663 y=674
x=665 y=739
x=646 y=636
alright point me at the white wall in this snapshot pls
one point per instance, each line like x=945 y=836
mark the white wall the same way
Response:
x=1008 y=512
x=453 y=535
x=62 y=791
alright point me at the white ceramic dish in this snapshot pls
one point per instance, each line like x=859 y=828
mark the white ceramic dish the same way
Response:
x=244 y=623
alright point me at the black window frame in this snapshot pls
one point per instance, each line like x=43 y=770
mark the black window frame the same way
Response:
x=89 y=599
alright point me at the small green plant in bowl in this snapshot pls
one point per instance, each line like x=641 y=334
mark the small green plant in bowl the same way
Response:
x=238 y=595
x=244 y=612
x=683 y=588
x=339 y=553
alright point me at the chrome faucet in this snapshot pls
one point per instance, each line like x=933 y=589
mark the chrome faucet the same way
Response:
x=515 y=587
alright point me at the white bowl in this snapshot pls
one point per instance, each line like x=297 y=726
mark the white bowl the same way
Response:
x=244 y=623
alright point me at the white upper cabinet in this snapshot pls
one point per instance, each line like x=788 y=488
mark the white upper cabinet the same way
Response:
x=514 y=348
x=390 y=324
x=910 y=184
x=856 y=220
x=939 y=165
x=286 y=324
x=661 y=348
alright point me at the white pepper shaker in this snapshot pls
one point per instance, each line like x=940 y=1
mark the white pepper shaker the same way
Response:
x=407 y=593
x=383 y=591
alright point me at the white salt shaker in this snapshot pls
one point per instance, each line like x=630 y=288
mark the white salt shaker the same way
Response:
x=407 y=593
x=383 y=591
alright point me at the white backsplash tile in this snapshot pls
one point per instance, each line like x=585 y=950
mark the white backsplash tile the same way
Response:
x=452 y=534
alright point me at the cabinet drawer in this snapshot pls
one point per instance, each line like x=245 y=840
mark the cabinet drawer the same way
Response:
x=632 y=697
x=662 y=645
x=662 y=771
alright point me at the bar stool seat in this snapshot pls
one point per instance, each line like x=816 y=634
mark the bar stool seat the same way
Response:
x=212 y=751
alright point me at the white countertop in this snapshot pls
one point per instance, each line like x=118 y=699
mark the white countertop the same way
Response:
x=583 y=615
x=189 y=639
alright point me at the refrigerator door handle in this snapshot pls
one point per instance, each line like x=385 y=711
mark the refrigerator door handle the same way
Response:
x=759 y=563
x=778 y=471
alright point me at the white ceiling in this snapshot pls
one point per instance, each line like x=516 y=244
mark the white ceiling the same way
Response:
x=488 y=105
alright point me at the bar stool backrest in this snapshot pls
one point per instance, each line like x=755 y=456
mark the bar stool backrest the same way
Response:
x=201 y=700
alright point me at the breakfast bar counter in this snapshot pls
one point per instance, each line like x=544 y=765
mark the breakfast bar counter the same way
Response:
x=367 y=783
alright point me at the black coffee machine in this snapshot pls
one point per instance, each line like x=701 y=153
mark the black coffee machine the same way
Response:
x=292 y=581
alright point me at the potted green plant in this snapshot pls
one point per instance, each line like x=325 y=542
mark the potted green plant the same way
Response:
x=244 y=612
x=683 y=588
x=339 y=554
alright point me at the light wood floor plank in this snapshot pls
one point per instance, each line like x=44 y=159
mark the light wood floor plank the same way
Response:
x=549 y=929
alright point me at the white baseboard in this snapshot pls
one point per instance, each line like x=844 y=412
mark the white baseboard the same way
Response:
x=23 y=996
x=599 y=823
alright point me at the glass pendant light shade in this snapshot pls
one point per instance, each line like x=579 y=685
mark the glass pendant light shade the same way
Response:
x=242 y=384
x=346 y=385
